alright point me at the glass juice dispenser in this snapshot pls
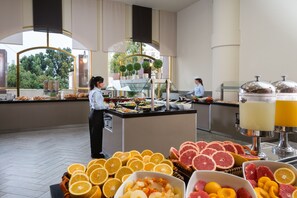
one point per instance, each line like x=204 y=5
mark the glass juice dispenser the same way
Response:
x=256 y=112
x=285 y=115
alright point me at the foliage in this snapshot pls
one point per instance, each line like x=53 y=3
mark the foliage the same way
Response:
x=158 y=64
x=137 y=66
x=129 y=67
x=34 y=69
x=145 y=65
x=123 y=68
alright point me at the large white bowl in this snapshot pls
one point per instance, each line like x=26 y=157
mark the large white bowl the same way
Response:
x=224 y=179
x=175 y=182
x=270 y=164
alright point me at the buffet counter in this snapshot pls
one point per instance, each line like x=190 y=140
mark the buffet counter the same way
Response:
x=27 y=115
x=158 y=130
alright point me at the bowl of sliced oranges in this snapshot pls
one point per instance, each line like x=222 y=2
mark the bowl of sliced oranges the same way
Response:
x=151 y=184
x=276 y=179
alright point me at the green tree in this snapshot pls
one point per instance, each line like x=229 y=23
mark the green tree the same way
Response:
x=35 y=69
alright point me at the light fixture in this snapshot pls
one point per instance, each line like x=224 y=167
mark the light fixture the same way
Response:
x=85 y=58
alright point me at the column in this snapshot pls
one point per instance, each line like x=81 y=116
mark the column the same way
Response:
x=225 y=45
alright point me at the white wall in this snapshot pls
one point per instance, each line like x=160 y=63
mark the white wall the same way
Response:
x=194 y=29
x=268 y=39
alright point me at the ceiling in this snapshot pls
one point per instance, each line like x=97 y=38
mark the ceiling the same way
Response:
x=168 y=5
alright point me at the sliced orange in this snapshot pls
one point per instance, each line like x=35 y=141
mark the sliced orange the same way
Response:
x=77 y=171
x=125 y=177
x=134 y=153
x=284 y=176
x=93 y=167
x=146 y=159
x=157 y=158
x=80 y=189
x=98 y=176
x=100 y=161
x=111 y=186
x=163 y=168
x=123 y=171
x=138 y=157
x=294 y=194
x=117 y=154
x=95 y=192
x=124 y=157
x=112 y=165
x=131 y=160
x=166 y=161
x=146 y=152
x=78 y=177
x=91 y=162
x=149 y=166
x=73 y=167
x=136 y=165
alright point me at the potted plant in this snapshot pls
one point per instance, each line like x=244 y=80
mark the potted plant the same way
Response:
x=146 y=69
x=122 y=69
x=137 y=67
x=158 y=65
x=130 y=68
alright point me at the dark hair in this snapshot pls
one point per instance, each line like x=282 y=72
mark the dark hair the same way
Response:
x=199 y=80
x=94 y=80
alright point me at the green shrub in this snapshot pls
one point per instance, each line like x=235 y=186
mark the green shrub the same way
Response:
x=123 y=68
x=129 y=67
x=137 y=66
x=158 y=64
x=145 y=64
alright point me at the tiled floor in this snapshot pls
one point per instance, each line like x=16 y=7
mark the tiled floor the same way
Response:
x=32 y=161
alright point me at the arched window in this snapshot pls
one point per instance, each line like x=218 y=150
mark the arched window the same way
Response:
x=43 y=65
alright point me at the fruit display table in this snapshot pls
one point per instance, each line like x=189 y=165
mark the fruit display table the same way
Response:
x=157 y=130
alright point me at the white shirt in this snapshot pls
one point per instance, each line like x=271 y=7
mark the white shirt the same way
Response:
x=96 y=99
x=199 y=90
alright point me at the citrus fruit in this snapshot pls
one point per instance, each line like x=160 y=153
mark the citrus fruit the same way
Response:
x=157 y=158
x=229 y=146
x=78 y=177
x=95 y=192
x=173 y=153
x=166 y=161
x=93 y=167
x=80 y=189
x=224 y=160
x=208 y=151
x=112 y=165
x=215 y=145
x=187 y=147
x=131 y=160
x=227 y=192
x=117 y=154
x=136 y=165
x=264 y=171
x=149 y=166
x=125 y=177
x=123 y=171
x=111 y=186
x=91 y=162
x=294 y=194
x=124 y=157
x=98 y=176
x=146 y=159
x=77 y=171
x=201 y=145
x=212 y=187
x=73 y=167
x=134 y=153
x=203 y=162
x=284 y=176
x=238 y=159
x=138 y=157
x=100 y=161
x=146 y=152
x=163 y=168
x=187 y=157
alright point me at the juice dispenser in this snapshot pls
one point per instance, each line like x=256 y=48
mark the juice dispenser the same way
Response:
x=285 y=115
x=257 y=112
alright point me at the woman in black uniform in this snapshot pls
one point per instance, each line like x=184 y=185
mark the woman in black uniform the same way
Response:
x=96 y=121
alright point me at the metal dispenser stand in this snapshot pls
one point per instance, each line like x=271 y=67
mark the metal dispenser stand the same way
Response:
x=286 y=92
x=257 y=93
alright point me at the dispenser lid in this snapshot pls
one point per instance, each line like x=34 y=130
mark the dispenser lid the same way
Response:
x=257 y=87
x=285 y=86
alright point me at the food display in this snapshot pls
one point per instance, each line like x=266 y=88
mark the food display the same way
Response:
x=70 y=96
x=22 y=98
x=271 y=179
x=39 y=98
x=82 y=95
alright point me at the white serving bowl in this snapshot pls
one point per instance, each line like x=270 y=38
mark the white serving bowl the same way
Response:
x=187 y=106
x=224 y=179
x=270 y=164
x=175 y=182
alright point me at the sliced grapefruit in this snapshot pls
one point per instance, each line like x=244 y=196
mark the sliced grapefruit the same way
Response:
x=203 y=162
x=208 y=151
x=187 y=157
x=216 y=145
x=187 y=147
x=224 y=160
x=229 y=146
x=201 y=145
x=173 y=153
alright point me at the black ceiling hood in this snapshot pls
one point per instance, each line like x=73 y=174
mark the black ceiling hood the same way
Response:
x=141 y=24
x=47 y=16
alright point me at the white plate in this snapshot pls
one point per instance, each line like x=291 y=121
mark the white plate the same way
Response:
x=271 y=164
x=224 y=179
x=175 y=182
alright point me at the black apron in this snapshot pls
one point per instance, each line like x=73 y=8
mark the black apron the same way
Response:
x=96 y=125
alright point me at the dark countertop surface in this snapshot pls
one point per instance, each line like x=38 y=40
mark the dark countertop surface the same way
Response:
x=223 y=103
x=151 y=113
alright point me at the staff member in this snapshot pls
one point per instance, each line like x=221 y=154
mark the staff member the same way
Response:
x=199 y=88
x=96 y=121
